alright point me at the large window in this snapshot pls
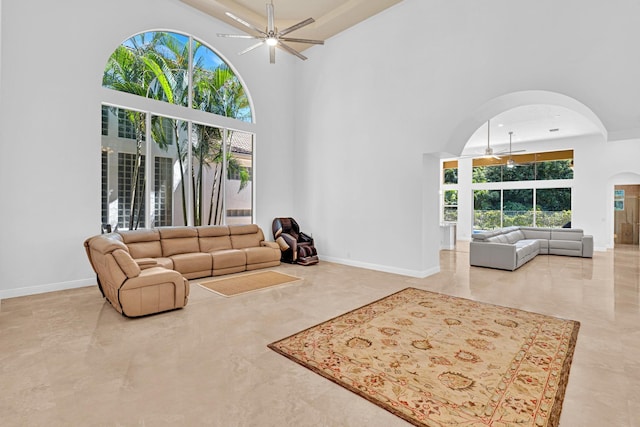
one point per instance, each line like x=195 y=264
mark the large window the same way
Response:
x=526 y=167
x=533 y=192
x=191 y=172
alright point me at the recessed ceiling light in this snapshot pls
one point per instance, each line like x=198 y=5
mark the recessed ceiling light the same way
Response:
x=500 y=125
x=554 y=130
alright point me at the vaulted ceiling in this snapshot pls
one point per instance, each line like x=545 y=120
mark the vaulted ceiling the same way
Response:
x=331 y=16
x=528 y=123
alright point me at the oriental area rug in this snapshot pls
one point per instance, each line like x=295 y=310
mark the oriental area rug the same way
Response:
x=438 y=360
x=241 y=284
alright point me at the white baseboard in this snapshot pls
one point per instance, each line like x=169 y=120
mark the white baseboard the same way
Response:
x=387 y=269
x=61 y=286
x=41 y=289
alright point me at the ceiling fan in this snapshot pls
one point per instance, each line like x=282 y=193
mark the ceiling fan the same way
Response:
x=510 y=162
x=271 y=36
x=489 y=151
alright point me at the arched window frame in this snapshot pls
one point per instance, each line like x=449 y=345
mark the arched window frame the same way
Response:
x=153 y=107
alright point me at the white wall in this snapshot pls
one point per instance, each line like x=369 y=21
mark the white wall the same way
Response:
x=344 y=140
x=50 y=109
x=378 y=97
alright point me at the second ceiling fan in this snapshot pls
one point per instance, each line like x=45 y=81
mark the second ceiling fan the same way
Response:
x=490 y=152
x=271 y=36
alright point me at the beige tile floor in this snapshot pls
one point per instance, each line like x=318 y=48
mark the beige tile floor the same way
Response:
x=68 y=359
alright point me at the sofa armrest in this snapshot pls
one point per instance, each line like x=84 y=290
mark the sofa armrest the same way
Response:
x=145 y=263
x=126 y=263
x=273 y=245
x=154 y=276
x=494 y=255
x=587 y=246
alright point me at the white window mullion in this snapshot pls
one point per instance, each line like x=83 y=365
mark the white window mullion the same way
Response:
x=187 y=174
x=225 y=136
x=149 y=175
x=189 y=187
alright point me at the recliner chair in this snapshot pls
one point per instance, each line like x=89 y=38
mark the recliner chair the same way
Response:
x=296 y=246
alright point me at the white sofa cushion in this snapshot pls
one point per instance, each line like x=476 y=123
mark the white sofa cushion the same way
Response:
x=567 y=234
x=514 y=236
x=536 y=233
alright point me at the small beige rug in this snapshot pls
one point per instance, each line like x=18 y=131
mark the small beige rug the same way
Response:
x=242 y=284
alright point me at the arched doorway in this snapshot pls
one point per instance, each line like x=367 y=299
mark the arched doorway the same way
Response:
x=498 y=107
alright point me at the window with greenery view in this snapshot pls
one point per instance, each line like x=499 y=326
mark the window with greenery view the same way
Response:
x=504 y=208
x=528 y=167
x=487 y=213
x=189 y=172
x=517 y=207
x=450 y=206
x=543 y=207
x=553 y=207
x=450 y=175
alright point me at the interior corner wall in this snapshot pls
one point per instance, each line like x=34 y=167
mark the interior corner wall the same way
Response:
x=50 y=106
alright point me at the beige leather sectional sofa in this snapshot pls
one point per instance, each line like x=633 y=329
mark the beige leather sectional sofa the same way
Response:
x=510 y=248
x=145 y=271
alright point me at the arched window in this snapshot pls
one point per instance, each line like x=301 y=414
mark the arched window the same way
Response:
x=175 y=168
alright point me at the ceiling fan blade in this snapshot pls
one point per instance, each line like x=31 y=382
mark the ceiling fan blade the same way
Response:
x=292 y=51
x=250 y=48
x=245 y=23
x=270 y=24
x=296 y=26
x=238 y=36
x=509 y=151
x=289 y=39
x=272 y=54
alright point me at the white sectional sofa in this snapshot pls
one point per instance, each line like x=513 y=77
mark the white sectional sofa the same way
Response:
x=510 y=248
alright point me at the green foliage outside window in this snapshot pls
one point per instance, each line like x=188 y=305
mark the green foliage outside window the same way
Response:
x=451 y=206
x=155 y=65
x=504 y=208
x=451 y=176
x=553 y=207
x=538 y=171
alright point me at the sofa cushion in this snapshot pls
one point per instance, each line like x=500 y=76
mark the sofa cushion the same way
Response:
x=142 y=243
x=514 y=236
x=502 y=238
x=245 y=236
x=536 y=233
x=566 y=234
x=572 y=245
x=228 y=258
x=195 y=264
x=261 y=255
x=214 y=238
x=179 y=240
x=544 y=246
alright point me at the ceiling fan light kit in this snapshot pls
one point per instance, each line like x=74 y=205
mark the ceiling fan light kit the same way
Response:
x=271 y=36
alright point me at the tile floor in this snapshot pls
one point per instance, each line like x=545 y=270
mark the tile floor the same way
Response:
x=68 y=359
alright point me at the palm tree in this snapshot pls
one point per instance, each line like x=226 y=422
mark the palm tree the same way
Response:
x=125 y=71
